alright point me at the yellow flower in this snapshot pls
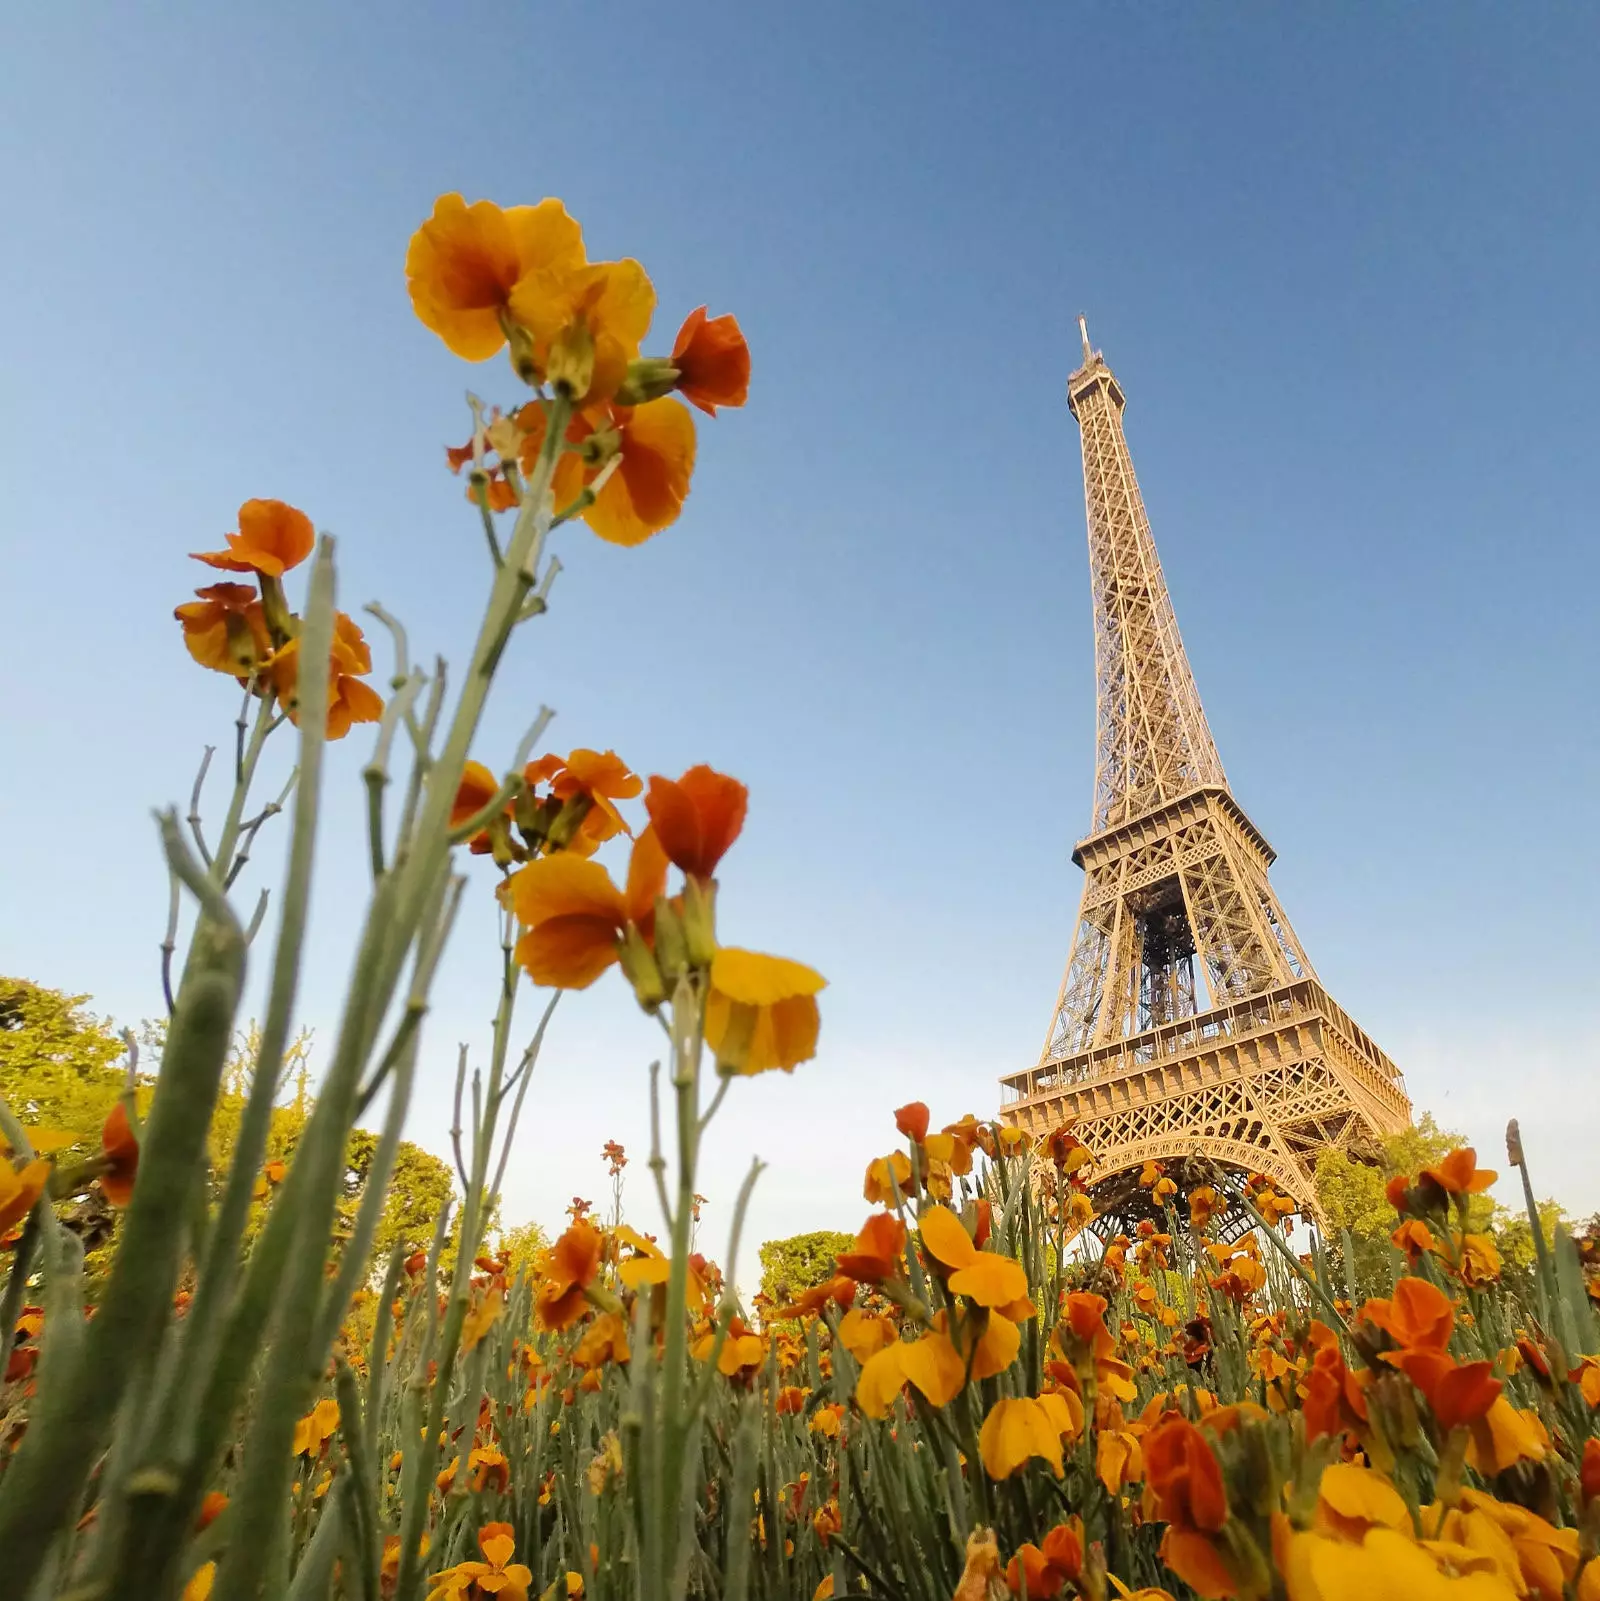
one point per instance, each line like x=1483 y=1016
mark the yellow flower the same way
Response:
x=587 y=324
x=315 y=1429
x=465 y=261
x=761 y=1012
x=1386 y=1566
x=1017 y=1429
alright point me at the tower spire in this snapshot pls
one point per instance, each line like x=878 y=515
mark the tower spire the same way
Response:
x=1190 y=1028
x=1153 y=740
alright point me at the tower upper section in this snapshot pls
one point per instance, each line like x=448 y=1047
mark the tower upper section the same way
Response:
x=1152 y=743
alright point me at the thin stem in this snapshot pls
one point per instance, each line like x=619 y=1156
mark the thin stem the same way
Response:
x=194 y=805
x=169 y=945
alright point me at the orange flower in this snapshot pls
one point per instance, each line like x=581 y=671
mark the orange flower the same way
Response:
x=1414 y=1238
x=985 y=1276
x=1204 y=1204
x=315 y=1429
x=575 y=917
x=19 y=1190
x=1045 y=1570
x=225 y=629
x=565 y=1270
x=912 y=1121
x=713 y=362
x=498 y=1575
x=1183 y=1477
x=697 y=818
x=273 y=537
x=840 y=1290
x=489 y=1469
x=465 y=261
x=477 y=788
x=1419 y=1317
x=884 y=1176
x=877 y=1251
x=121 y=1151
x=1459 y=1173
x=587 y=324
x=761 y=1011
x=350 y=701
x=602 y=778
x=655 y=455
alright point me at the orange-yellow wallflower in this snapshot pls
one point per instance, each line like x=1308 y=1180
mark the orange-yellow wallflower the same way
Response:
x=272 y=538
x=876 y=1253
x=575 y=917
x=884 y=1175
x=654 y=450
x=315 y=1429
x=1044 y=1570
x=496 y=1575
x=1459 y=1173
x=697 y=818
x=713 y=362
x=912 y=1121
x=987 y=1277
x=1185 y=1481
x=350 y=700
x=19 y=1190
x=863 y=1334
x=1480 y=1260
x=488 y=1469
x=601 y=778
x=121 y=1152
x=761 y=1011
x=465 y=261
x=225 y=629
x=1204 y=1204
x=1017 y=1429
x=1420 y=1316
x=565 y=1270
x=587 y=323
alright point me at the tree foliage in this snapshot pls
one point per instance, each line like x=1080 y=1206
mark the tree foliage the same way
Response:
x=59 y=1064
x=792 y=1266
x=62 y=1068
x=1353 y=1199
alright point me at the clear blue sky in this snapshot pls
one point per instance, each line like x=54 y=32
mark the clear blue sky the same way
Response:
x=1344 y=265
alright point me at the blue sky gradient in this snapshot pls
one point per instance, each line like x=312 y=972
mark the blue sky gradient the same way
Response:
x=1343 y=264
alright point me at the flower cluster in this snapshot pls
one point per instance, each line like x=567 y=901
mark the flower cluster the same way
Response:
x=248 y=631
x=485 y=278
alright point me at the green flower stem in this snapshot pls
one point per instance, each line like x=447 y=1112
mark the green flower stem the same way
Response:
x=361 y=1501
x=474 y=1211
x=45 y=1479
x=232 y=825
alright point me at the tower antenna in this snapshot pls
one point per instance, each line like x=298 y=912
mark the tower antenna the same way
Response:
x=1083 y=334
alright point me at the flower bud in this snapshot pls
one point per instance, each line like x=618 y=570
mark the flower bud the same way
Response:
x=648 y=378
x=570 y=366
x=672 y=949
x=282 y=624
x=1514 y=1143
x=700 y=919
x=639 y=966
x=523 y=362
x=569 y=820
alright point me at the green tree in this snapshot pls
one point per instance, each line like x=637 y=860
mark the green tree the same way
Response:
x=791 y=1267
x=60 y=1066
x=1353 y=1198
x=521 y=1246
x=420 y=1186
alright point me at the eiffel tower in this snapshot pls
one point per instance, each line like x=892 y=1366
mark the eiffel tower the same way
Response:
x=1191 y=1028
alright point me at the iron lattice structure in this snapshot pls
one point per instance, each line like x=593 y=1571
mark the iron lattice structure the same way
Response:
x=1190 y=1028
